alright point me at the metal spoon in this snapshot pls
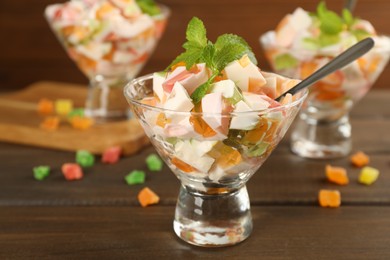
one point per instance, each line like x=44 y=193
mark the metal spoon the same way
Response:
x=348 y=56
x=350 y=5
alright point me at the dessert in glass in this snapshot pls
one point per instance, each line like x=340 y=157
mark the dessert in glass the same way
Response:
x=301 y=44
x=213 y=119
x=110 y=41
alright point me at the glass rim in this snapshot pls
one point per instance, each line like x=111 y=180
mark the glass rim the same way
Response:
x=165 y=12
x=135 y=102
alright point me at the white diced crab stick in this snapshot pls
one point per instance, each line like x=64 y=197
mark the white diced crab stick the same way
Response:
x=126 y=28
x=291 y=25
x=300 y=20
x=212 y=104
x=158 y=79
x=93 y=50
x=225 y=87
x=242 y=72
x=185 y=150
x=180 y=127
x=196 y=79
x=285 y=32
x=122 y=57
x=202 y=147
x=216 y=173
x=179 y=99
x=243 y=122
x=256 y=102
x=188 y=79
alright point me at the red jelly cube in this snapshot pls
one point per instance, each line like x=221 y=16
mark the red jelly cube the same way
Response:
x=72 y=171
x=112 y=154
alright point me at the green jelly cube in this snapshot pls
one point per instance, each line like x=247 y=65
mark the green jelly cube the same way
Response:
x=41 y=172
x=135 y=177
x=368 y=175
x=85 y=158
x=76 y=112
x=258 y=150
x=154 y=162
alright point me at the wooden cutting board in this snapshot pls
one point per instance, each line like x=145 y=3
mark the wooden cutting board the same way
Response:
x=19 y=122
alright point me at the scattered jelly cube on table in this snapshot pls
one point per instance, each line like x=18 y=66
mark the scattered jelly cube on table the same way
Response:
x=45 y=106
x=112 y=154
x=85 y=158
x=63 y=106
x=368 y=175
x=337 y=175
x=81 y=123
x=76 y=112
x=329 y=198
x=154 y=162
x=360 y=159
x=72 y=171
x=41 y=172
x=147 y=197
x=50 y=123
x=135 y=177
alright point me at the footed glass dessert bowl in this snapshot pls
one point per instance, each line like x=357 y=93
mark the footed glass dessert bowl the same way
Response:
x=213 y=154
x=300 y=45
x=110 y=41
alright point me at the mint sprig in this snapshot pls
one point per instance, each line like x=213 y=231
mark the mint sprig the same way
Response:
x=149 y=7
x=331 y=25
x=198 y=49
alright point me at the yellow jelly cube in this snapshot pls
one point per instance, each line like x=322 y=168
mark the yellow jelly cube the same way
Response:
x=368 y=175
x=63 y=106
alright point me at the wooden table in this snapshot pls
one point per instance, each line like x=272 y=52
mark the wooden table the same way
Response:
x=99 y=216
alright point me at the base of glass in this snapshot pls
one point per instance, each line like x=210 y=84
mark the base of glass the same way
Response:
x=321 y=140
x=105 y=101
x=213 y=220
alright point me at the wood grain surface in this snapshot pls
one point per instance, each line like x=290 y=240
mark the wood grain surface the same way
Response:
x=137 y=233
x=20 y=122
x=29 y=51
x=99 y=216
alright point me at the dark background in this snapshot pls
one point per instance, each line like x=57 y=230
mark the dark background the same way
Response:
x=29 y=51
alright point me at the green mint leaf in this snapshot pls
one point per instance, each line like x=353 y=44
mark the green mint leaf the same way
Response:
x=190 y=58
x=328 y=39
x=348 y=17
x=149 y=7
x=200 y=92
x=330 y=22
x=208 y=55
x=228 y=53
x=238 y=41
x=310 y=43
x=285 y=61
x=196 y=32
x=321 y=9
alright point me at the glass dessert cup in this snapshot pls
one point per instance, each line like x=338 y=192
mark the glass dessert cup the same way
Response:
x=323 y=129
x=109 y=61
x=213 y=207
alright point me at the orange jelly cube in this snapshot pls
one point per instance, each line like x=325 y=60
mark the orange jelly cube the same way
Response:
x=329 y=198
x=81 y=123
x=147 y=197
x=201 y=127
x=45 y=106
x=182 y=165
x=255 y=135
x=162 y=120
x=50 y=123
x=336 y=175
x=360 y=159
x=225 y=156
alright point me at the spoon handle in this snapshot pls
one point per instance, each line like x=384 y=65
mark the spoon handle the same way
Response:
x=351 y=54
x=350 y=5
